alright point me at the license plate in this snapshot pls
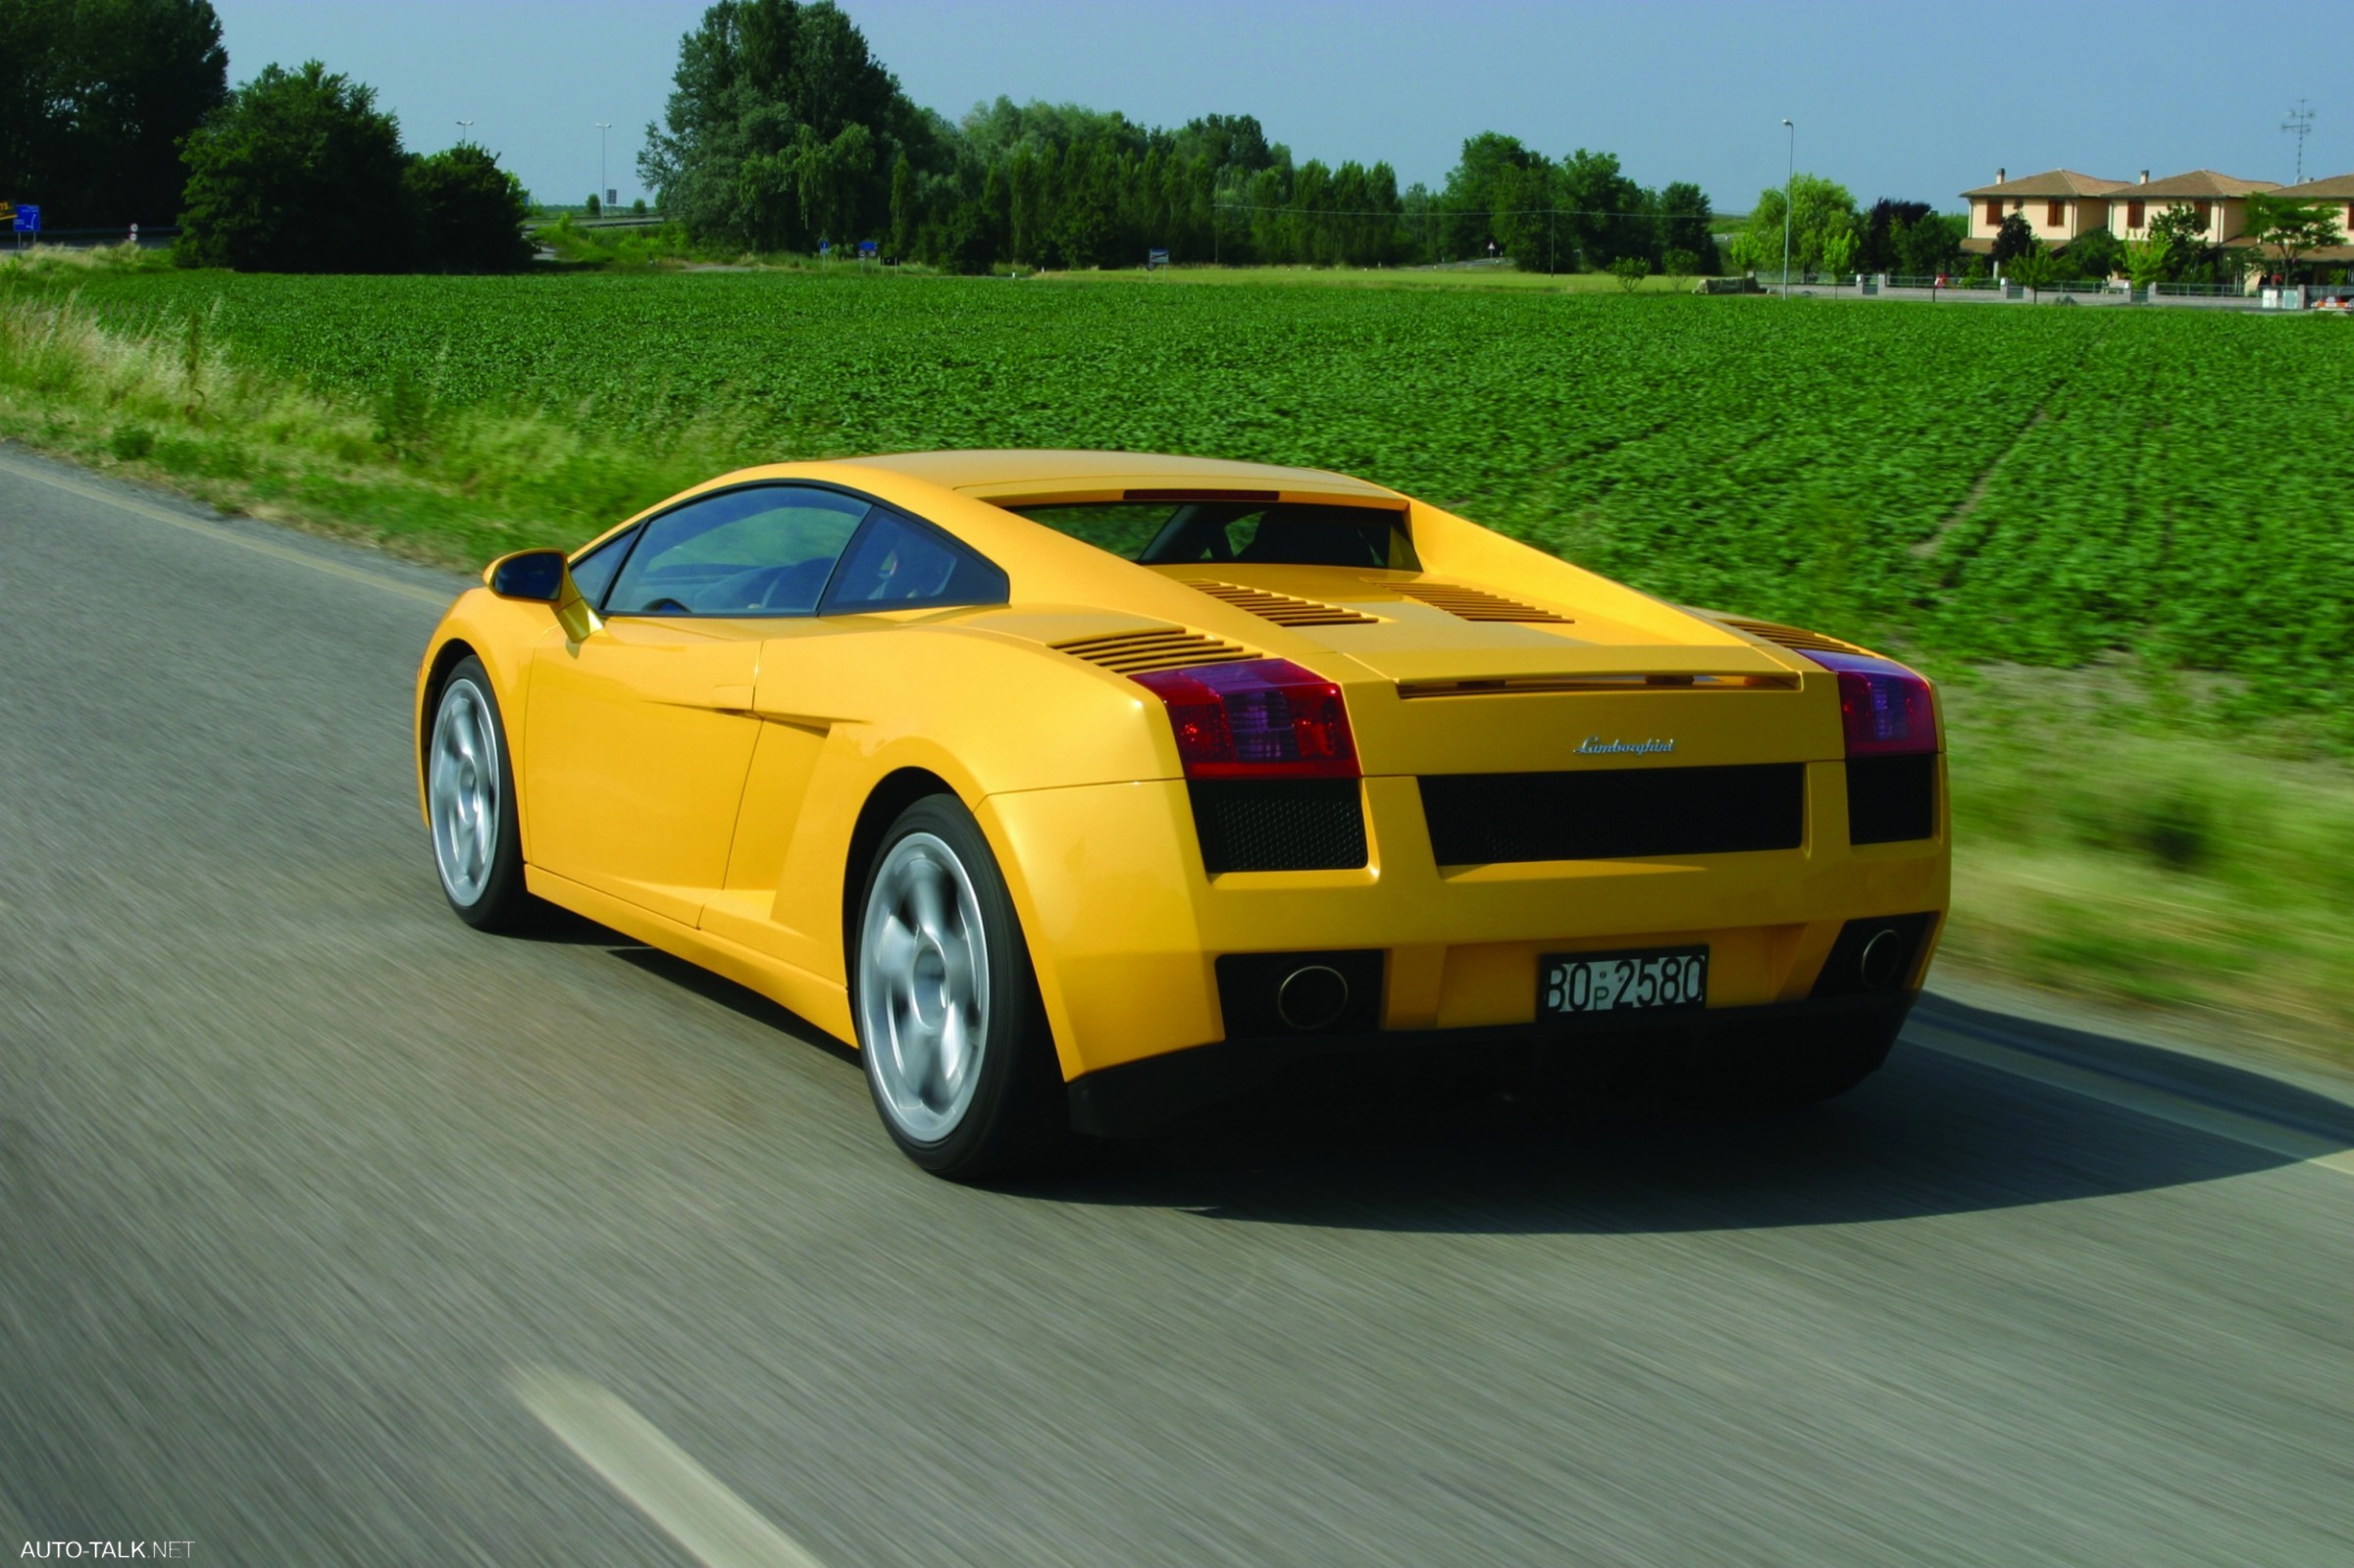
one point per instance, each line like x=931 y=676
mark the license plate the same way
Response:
x=1657 y=980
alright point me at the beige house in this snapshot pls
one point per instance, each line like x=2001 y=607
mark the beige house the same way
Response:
x=2220 y=201
x=2337 y=191
x=2057 y=205
x=2060 y=205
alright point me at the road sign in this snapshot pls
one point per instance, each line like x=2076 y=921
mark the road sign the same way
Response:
x=1156 y=257
x=28 y=219
x=866 y=248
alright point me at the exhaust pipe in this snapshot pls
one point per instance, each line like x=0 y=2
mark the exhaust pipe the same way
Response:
x=1311 y=997
x=1883 y=956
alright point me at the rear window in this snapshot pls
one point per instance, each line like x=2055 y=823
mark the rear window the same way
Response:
x=1249 y=533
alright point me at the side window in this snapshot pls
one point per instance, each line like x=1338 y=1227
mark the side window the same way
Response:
x=898 y=564
x=764 y=550
x=592 y=574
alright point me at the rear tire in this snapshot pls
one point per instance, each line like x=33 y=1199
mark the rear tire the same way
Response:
x=955 y=1044
x=470 y=804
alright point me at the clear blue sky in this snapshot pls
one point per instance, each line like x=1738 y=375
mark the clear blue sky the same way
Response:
x=1916 y=101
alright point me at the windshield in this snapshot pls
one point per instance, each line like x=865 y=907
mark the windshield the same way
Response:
x=1249 y=533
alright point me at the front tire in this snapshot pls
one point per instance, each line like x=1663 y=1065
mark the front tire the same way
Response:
x=958 y=1052
x=470 y=804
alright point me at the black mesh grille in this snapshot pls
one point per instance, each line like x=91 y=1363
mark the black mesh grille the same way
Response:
x=1476 y=819
x=1280 y=825
x=1891 y=798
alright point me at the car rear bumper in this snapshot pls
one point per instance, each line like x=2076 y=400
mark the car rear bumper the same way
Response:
x=1717 y=1050
x=1127 y=928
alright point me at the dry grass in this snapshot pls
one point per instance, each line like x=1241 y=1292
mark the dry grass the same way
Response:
x=447 y=485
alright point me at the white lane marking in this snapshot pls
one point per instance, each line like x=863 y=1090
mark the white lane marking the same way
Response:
x=716 y=1526
x=212 y=530
x=2289 y=1142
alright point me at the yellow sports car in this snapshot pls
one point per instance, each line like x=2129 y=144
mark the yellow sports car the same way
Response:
x=1080 y=789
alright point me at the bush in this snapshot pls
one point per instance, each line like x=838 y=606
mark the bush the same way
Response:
x=297 y=173
x=1630 y=270
x=2096 y=254
x=466 y=213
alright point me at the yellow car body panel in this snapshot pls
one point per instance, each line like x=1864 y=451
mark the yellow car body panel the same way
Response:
x=700 y=782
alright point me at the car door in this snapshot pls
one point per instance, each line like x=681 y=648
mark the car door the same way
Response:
x=640 y=730
x=783 y=894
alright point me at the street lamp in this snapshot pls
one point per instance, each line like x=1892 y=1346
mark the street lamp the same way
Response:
x=465 y=125
x=602 y=126
x=1789 y=181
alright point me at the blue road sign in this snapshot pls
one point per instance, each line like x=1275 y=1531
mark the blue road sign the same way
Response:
x=28 y=219
x=866 y=247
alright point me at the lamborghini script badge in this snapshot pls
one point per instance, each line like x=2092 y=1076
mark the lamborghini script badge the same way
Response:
x=1595 y=746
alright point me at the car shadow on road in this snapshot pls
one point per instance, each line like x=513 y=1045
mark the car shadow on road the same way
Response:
x=1932 y=1133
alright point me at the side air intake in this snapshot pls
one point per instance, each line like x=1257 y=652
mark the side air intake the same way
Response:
x=1477 y=604
x=1282 y=608
x=1142 y=652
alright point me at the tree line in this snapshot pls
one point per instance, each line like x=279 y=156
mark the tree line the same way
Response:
x=118 y=112
x=784 y=132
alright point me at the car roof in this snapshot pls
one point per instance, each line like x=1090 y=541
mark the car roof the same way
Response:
x=997 y=473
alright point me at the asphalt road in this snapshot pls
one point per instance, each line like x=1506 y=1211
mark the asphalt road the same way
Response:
x=331 y=1232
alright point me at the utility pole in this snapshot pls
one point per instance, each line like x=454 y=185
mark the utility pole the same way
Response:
x=602 y=126
x=1789 y=181
x=2300 y=126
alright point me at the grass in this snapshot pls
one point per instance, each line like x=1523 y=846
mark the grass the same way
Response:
x=2107 y=849
x=2125 y=830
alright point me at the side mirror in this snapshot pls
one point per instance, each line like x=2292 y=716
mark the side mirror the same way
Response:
x=539 y=576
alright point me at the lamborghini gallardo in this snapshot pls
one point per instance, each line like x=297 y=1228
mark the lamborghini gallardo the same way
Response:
x=1082 y=790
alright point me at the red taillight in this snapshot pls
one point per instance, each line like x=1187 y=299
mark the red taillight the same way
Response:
x=1257 y=719
x=1884 y=708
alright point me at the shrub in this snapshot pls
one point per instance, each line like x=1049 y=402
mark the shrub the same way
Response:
x=297 y=173
x=466 y=213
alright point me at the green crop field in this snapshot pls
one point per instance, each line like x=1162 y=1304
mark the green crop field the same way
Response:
x=2020 y=484
x=2121 y=536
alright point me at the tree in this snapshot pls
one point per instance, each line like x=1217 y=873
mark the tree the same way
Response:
x=2015 y=237
x=2095 y=253
x=299 y=172
x=1630 y=270
x=1684 y=225
x=2184 y=233
x=2034 y=268
x=466 y=213
x=2289 y=228
x=1817 y=207
x=1838 y=251
x=1880 y=232
x=907 y=216
x=2149 y=261
x=1605 y=213
x=595 y=205
x=782 y=128
x=94 y=98
x=1930 y=247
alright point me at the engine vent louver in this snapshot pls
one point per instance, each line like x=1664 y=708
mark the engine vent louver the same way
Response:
x=1282 y=608
x=1477 y=604
x=1139 y=652
x=1789 y=636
